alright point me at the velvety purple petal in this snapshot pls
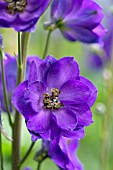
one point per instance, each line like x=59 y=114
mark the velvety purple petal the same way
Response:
x=75 y=134
x=65 y=119
x=40 y=123
x=33 y=73
x=61 y=71
x=20 y=100
x=45 y=66
x=61 y=8
x=93 y=89
x=81 y=34
x=74 y=90
x=36 y=91
x=57 y=155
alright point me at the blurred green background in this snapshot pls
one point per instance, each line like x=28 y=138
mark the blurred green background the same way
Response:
x=89 y=150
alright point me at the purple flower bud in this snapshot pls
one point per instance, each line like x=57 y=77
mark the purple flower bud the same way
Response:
x=22 y=15
x=55 y=100
x=78 y=20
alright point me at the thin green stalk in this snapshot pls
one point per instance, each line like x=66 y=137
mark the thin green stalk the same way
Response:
x=47 y=45
x=27 y=154
x=17 y=122
x=24 y=45
x=5 y=89
x=40 y=161
x=1 y=153
x=39 y=166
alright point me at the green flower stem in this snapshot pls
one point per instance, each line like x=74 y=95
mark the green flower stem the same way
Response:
x=18 y=122
x=24 y=45
x=47 y=44
x=40 y=161
x=27 y=154
x=1 y=153
x=5 y=89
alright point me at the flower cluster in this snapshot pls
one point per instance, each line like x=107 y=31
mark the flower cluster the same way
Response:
x=22 y=15
x=55 y=100
x=78 y=20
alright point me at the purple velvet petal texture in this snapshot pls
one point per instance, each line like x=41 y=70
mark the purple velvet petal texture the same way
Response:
x=78 y=20
x=77 y=94
x=23 y=21
x=62 y=152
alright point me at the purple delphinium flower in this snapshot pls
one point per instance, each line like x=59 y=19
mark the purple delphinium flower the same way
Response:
x=78 y=20
x=10 y=66
x=98 y=57
x=62 y=151
x=22 y=15
x=55 y=100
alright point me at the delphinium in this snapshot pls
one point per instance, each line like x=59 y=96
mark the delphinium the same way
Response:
x=53 y=97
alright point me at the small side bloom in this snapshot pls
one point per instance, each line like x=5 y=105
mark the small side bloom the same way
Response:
x=55 y=100
x=62 y=151
x=22 y=15
x=77 y=20
x=99 y=56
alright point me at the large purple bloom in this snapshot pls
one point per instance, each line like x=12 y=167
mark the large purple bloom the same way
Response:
x=62 y=151
x=78 y=20
x=55 y=99
x=22 y=15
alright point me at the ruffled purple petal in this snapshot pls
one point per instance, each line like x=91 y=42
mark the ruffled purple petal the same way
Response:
x=36 y=91
x=20 y=100
x=41 y=122
x=93 y=89
x=74 y=90
x=61 y=71
x=76 y=134
x=65 y=119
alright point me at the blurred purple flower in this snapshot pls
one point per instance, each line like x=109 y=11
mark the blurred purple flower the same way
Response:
x=55 y=100
x=22 y=15
x=27 y=168
x=62 y=152
x=98 y=55
x=1 y=41
x=10 y=67
x=78 y=20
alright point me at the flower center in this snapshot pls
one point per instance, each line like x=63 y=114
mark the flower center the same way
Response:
x=15 y=6
x=51 y=101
